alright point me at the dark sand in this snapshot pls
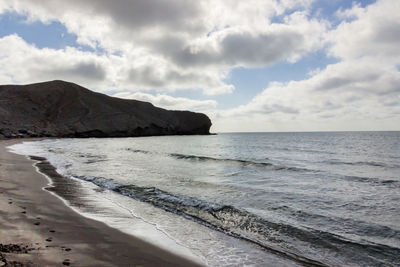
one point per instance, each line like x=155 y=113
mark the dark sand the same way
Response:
x=38 y=229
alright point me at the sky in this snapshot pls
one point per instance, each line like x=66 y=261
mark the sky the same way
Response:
x=251 y=66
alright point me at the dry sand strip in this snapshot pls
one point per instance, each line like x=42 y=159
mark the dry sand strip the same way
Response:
x=38 y=229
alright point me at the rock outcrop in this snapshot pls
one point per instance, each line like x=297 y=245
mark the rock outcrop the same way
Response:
x=63 y=109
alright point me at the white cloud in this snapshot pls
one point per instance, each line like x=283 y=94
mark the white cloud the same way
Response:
x=169 y=102
x=3 y=7
x=372 y=31
x=21 y=62
x=24 y=63
x=182 y=44
x=361 y=92
x=244 y=47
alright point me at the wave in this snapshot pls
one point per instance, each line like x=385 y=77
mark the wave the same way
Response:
x=372 y=180
x=362 y=163
x=294 y=149
x=277 y=238
x=243 y=163
x=223 y=218
x=353 y=226
x=138 y=151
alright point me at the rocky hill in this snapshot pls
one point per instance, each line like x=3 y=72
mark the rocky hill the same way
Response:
x=63 y=109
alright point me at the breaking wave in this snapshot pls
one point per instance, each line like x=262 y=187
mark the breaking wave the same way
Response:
x=243 y=163
x=248 y=226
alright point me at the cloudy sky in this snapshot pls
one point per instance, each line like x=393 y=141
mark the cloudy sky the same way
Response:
x=254 y=65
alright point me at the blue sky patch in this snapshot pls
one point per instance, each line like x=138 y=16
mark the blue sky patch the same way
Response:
x=327 y=9
x=43 y=35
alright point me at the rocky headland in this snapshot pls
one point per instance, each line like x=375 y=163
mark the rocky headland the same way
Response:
x=64 y=109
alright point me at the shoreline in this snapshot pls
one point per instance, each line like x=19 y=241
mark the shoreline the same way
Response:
x=38 y=228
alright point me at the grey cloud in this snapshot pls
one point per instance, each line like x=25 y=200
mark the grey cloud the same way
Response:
x=272 y=108
x=148 y=76
x=388 y=32
x=352 y=99
x=176 y=14
x=130 y=14
x=261 y=49
x=333 y=83
x=327 y=116
x=175 y=49
x=345 y=80
x=236 y=49
x=80 y=71
x=176 y=76
x=329 y=105
x=169 y=102
x=392 y=87
x=284 y=109
x=394 y=103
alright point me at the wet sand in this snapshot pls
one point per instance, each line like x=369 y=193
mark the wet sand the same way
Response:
x=38 y=229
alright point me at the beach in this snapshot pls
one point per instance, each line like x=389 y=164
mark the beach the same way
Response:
x=38 y=229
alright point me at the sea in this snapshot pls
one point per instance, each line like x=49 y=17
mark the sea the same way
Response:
x=243 y=199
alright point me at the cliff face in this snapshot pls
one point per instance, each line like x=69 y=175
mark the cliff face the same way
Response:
x=59 y=108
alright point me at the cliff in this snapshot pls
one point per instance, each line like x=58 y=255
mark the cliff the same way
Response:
x=63 y=109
